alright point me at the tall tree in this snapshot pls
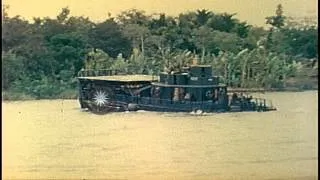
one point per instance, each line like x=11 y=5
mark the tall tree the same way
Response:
x=222 y=22
x=202 y=17
x=133 y=16
x=15 y=31
x=69 y=51
x=187 y=20
x=108 y=37
x=278 y=20
x=242 y=29
x=203 y=37
x=63 y=15
x=136 y=34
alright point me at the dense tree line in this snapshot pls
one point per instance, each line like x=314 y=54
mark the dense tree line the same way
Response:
x=42 y=58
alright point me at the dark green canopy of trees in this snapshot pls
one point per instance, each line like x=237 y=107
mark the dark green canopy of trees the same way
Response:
x=42 y=58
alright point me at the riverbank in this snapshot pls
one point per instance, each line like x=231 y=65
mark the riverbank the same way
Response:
x=73 y=94
x=20 y=96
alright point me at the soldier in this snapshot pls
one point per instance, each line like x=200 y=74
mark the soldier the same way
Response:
x=234 y=98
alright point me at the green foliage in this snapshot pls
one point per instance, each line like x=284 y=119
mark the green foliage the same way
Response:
x=98 y=59
x=41 y=59
x=133 y=16
x=119 y=64
x=223 y=22
x=12 y=68
x=137 y=34
x=303 y=43
x=62 y=17
x=227 y=41
x=14 y=32
x=137 y=62
x=68 y=51
x=15 y=96
x=108 y=37
x=278 y=20
x=202 y=17
x=175 y=61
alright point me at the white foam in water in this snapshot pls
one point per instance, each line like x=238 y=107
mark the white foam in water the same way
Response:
x=199 y=112
x=141 y=111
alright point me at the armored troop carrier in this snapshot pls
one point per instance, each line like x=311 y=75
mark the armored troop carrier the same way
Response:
x=194 y=88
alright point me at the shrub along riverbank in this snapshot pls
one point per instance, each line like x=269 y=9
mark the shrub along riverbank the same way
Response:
x=20 y=96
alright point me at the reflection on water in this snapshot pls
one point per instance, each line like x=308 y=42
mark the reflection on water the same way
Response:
x=54 y=139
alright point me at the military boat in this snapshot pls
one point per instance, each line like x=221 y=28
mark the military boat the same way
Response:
x=194 y=89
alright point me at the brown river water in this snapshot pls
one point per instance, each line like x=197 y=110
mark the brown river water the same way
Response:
x=54 y=139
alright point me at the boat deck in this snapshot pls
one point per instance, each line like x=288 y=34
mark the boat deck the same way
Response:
x=122 y=78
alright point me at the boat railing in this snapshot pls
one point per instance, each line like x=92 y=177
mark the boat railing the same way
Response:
x=263 y=104
x=249 y=102
x=99 y=72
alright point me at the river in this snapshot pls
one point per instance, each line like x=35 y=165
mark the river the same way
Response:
x=54 y=139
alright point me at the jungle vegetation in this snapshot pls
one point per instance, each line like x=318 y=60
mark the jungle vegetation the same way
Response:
x=41 y=59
